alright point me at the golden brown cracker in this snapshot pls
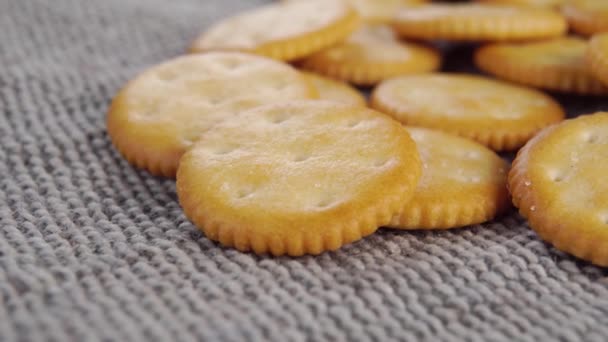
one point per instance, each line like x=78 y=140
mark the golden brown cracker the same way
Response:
x=462 y=183
x=556 y=64
x=478 y=22
x=558 y=182
x=497 y=114
x=298 y=178
x=155 y=117
x=334 y=90
x=286 y=31
x=372 y=54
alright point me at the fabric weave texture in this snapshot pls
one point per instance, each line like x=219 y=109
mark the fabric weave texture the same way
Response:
x=94 y=250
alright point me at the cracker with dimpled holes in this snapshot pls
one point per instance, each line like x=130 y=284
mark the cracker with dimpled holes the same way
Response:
x=559 y=183
x=497 y=114
x=462 y=183
x=555 y=64
x=298 y=178
x=158 y=115
x=286 y=31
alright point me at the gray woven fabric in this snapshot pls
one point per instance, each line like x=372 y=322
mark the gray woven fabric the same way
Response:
x=93 y=250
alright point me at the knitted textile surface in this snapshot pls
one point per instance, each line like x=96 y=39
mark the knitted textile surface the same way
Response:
x=93 y=250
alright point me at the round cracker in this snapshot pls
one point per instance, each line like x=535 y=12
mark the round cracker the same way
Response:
x=157 y=116
x=597 y=57
x=499 y=115
x=556 y=64
x=462 y=183
x=298 y=178
x=587 y=17
x=334 y=90
x=286 y=31
x=558 y=181
x=372 y=54
x=478 y=22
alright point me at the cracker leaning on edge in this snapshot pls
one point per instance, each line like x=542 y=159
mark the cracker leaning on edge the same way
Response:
x=559 y=182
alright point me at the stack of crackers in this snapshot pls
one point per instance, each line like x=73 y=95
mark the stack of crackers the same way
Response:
x=275 y=151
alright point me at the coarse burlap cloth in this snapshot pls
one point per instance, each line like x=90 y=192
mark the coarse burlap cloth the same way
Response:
x=94 y=250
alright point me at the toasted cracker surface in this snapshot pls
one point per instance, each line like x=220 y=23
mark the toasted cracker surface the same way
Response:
x=558 y=181
x=556 y=64
x=373 y=53
x=334 y=90
x=462 y=183
x=286 y=30
x=160 y=113
x=497 y=114
x=298 y=178
x=478 y=22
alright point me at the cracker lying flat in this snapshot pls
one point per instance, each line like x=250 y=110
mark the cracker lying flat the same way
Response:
x=287 y=30
x=333 y=90
x=497 y=114
x=462 y=183
x=156 y=116
x=478 y=22
x=298 y=178
x=556 y=64
x=587 y=16
x=597 y=57
x=372 y=54
x=559 y=182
